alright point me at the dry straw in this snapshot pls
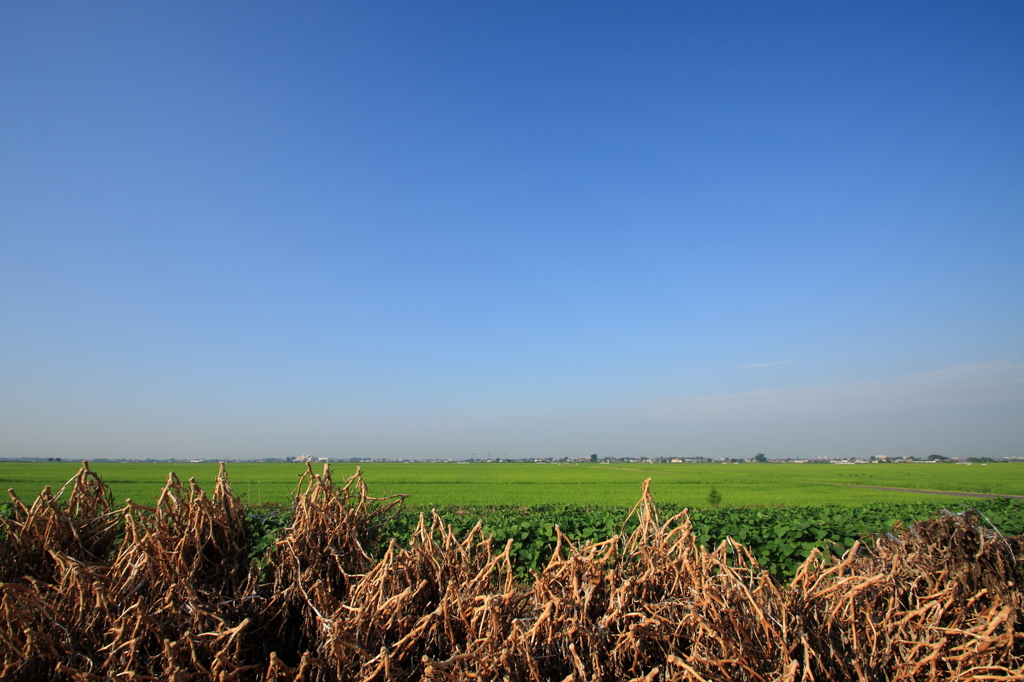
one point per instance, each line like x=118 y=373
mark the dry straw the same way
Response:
x=167 y=593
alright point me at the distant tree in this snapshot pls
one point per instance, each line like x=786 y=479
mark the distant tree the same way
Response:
x=714 y=497
x=593 y=458
x=49 y=459
x=760 y=457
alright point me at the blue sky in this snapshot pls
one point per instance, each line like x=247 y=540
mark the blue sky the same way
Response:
x=439 y=229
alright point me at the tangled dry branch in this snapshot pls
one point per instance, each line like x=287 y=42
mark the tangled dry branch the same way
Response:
x=168 y=592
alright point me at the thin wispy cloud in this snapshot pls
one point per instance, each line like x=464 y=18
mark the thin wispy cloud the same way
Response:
x=768 y=364
x=964 y=410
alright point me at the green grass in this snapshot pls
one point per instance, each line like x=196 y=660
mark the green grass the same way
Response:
x=609 y=485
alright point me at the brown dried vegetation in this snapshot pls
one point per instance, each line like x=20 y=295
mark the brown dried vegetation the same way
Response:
x=167 y=593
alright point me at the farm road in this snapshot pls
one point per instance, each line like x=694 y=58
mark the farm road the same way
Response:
x=930 y=492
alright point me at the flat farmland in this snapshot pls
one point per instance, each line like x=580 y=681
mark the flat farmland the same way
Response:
x=516 y=485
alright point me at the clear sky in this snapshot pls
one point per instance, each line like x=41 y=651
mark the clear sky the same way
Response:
x=531 y=229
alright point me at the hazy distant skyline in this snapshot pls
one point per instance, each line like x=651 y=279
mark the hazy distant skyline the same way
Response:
x=410 y=230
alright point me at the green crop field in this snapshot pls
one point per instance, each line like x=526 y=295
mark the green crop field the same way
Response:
x=609 y=485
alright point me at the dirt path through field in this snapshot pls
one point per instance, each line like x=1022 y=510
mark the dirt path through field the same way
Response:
x=930 y=492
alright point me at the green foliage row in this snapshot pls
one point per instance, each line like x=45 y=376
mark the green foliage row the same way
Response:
x=781 y=537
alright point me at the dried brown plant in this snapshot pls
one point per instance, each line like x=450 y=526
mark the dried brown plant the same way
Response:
x=178 y=599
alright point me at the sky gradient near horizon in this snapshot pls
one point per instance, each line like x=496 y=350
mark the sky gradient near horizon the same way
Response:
x=537 y=230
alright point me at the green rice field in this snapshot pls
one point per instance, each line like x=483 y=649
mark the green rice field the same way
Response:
x=611 y=485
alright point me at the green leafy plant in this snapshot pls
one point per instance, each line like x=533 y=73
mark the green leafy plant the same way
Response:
x=780 y=537
x=264 y=526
